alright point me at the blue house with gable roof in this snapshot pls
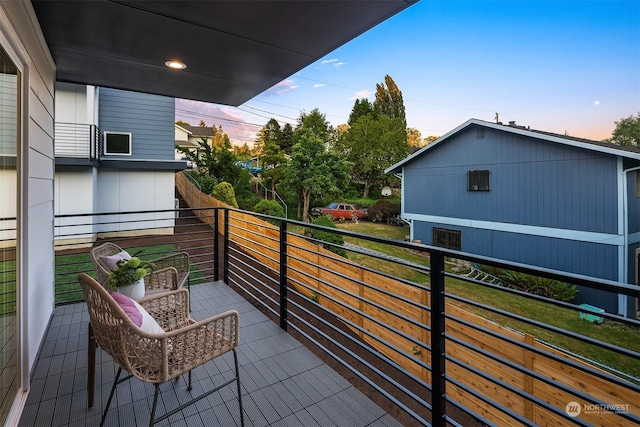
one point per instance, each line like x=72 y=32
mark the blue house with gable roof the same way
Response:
x=532 y=197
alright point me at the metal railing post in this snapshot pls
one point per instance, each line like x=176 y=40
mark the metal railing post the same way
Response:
x=216 y=229
x=225 y=273
x=283 y=275
x=438 y=380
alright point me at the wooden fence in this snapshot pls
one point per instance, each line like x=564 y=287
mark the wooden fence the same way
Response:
x=317 y=272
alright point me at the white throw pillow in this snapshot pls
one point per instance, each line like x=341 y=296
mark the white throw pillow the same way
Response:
x=137 y=314
x=111 y=262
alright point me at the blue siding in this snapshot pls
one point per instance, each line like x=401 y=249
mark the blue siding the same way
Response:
x=591 y=259
x=149 y=118
x=633 y=203
x=533 y=182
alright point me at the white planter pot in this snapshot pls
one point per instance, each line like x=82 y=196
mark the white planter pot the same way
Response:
x=135 y=291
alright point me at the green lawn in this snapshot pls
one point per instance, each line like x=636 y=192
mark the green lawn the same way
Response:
x=611 y=332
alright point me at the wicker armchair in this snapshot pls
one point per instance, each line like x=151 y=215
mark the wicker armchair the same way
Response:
x=159 y=357
x=179 y=261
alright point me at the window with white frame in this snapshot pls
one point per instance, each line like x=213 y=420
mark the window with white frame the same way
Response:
x=117 y=143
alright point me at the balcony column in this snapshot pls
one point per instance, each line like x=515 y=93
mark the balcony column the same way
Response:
x=283 y=275
x=438 y=380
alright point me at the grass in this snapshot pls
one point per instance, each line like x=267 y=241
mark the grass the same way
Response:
x=611 y=332
x=67 y=268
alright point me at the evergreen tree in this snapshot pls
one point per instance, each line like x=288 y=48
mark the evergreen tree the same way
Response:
x=389 y=100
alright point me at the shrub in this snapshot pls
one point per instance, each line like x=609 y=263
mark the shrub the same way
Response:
x=383 y=210
x=538 y=285
x=326 y=236
x=245 y=197
x=206 y=182
x=224 y=192
x=269 y=207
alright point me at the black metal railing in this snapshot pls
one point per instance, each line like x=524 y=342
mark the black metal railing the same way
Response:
x=439 y=345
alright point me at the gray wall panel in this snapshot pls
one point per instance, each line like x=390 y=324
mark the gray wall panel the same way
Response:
x=149 y=118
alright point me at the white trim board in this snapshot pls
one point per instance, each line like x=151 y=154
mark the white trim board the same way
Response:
x=532 y=230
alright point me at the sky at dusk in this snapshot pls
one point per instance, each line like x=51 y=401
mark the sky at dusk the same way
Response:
x=558 y=66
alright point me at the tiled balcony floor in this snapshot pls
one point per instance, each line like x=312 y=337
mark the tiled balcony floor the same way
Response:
x=283 y=383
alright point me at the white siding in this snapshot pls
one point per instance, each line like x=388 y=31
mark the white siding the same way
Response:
x=20 y=34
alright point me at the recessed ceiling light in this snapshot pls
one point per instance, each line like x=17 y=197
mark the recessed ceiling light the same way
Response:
x=176 y=65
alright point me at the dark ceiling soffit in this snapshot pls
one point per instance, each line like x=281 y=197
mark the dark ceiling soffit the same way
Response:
x=234 y=50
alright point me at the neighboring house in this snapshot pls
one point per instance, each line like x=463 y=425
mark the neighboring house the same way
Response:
x=113 y=153
x=184 y=138
x=542 y=199
x=190 y=137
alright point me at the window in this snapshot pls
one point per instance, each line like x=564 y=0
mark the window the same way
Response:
x=478 y=180
x=117 y=143
x=445 y=238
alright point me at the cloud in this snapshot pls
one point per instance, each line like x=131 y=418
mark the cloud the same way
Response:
x=328 y=61
x=282 y=88
x=365 y=93
x=234 y=122
x=339 y=64
x=318 y=85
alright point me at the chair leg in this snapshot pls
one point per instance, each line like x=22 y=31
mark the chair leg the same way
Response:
x=235 y=361
x=91 y=367
x=189 y=386
x=113 y=390
x=155 y=403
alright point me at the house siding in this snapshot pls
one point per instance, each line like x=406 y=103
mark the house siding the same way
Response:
x=550 y=204
x=149 y=119
x=587 y=258
x=27 y=49
x=532 y=182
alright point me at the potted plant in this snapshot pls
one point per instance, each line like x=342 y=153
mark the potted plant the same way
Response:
x=128 y=277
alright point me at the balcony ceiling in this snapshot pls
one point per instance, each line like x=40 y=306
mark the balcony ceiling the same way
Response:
x=233 y=50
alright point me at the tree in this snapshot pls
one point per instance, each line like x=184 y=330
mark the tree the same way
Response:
x=313 y=171
x=389 y=100
x=273 y=164
x=361 y=107
x=372 y=144
x=414 y=137
x=220 y=139
x=242 y=152
x=314 y=123
x=287 y=138
x=216 y=162
x=181 y=123
x=627 y=132
x=202 y=124
x=429 y=139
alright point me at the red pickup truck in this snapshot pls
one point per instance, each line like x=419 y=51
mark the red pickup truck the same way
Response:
x=340 y=211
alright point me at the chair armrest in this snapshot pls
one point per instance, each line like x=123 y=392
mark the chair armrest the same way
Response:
x=170 y=309
x=201 y=341
x=163 y=279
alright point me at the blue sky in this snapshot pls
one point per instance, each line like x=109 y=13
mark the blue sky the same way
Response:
x=559 y=66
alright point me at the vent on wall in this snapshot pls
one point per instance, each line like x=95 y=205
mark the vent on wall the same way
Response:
x=480 y=133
